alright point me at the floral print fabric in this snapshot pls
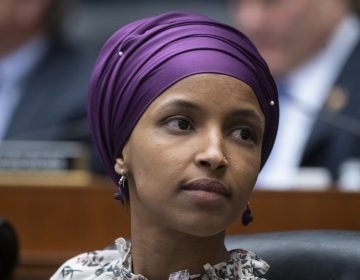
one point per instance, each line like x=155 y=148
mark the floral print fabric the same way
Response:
x=116 y=265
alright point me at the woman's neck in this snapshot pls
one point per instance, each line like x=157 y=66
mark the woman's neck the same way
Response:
x=158 y=253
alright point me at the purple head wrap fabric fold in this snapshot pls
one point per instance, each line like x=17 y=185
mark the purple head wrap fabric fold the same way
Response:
x=144 y=58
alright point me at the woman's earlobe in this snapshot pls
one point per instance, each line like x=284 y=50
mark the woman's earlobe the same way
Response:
x=119 y=166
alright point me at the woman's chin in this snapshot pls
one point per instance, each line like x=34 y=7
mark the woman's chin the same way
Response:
x=203 y=228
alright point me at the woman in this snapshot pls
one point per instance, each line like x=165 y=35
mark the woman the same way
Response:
x=184 y=113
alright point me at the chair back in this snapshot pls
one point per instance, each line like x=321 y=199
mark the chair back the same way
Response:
x=305 y=255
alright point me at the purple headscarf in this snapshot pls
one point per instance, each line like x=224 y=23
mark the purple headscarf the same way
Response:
x=144 y=58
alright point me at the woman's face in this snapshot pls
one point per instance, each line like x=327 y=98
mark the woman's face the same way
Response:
x=174 y=159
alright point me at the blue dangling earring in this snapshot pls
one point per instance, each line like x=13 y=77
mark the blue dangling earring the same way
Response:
x=247 y=216
x=121 y=188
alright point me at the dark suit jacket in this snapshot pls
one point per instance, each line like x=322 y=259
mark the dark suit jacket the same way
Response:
x=336 y=134
x=53 y=104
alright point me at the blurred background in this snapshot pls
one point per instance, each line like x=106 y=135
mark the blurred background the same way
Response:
x=53 y=193
x=92 y=21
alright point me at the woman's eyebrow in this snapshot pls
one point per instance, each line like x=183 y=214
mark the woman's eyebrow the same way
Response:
x=248 y=113
x=185 y=104
x=180 y=103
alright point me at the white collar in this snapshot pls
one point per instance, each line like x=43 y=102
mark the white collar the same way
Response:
x=325 y=66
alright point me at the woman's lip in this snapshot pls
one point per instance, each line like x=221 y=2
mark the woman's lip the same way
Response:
x=208 y=185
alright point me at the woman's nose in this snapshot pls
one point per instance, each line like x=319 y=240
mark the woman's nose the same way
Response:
x=211 y=154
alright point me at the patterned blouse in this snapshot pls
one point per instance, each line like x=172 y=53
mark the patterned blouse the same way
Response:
x=116 y=265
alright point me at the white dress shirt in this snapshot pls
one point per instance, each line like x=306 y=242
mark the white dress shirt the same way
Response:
x=308 y=88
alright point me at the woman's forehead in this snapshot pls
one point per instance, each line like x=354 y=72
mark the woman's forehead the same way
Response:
x=211 y=91
x=210 y=84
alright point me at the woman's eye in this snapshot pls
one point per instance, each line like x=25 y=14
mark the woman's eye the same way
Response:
x=244 y=134
x=179 y=124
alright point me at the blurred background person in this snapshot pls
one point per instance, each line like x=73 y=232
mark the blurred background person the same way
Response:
x=47 y=50
x=43 y=77
x=313 y=50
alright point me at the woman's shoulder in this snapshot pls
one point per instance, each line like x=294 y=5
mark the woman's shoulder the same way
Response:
x=102 y=264
x=243 y=264
x=246 y=256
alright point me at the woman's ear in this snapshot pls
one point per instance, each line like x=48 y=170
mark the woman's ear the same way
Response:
x=119 y=166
